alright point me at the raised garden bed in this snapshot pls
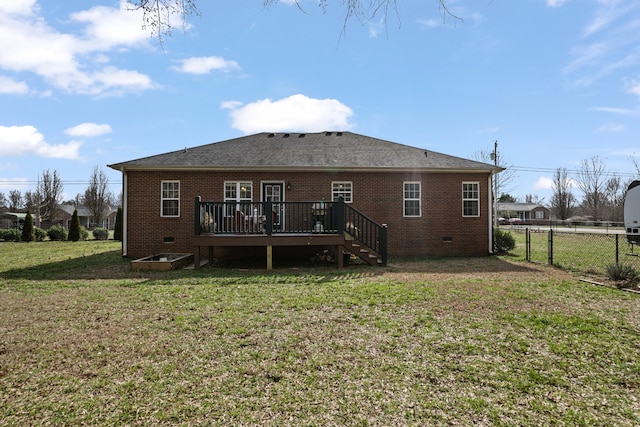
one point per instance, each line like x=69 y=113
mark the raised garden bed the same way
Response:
x=162 y=262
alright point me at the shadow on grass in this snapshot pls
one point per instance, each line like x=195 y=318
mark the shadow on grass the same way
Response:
x=105 y=265
x=112 y=266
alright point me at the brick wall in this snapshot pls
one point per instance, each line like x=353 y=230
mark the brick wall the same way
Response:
x=440 y=231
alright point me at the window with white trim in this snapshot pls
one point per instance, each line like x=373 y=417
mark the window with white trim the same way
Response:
x=412 y=198
x=238 y=192
x=539 y=214
x=470 y=199
x=342 y=189
x=170 y=199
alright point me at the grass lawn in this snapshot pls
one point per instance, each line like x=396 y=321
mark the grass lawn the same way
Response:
x=585 y=253
x=475 y=341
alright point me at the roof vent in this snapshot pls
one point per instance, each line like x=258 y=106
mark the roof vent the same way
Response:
x=328 y=133
x=338 y=133
x=302 y=135
x=426 y=154
x=286 y=135
x=271 y=135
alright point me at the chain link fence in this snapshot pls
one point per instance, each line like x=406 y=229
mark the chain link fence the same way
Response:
x=589 y=253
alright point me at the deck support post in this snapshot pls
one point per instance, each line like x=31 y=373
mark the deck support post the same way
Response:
x=196 y=257
x=339 y=257
x=269 y=257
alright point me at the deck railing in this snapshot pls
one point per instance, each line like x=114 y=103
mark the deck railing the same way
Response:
x=267 y=217
x=273 y=218
x=367 y=231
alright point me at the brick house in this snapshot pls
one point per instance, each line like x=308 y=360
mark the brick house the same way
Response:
x=524 y=213
x=351 y=192
x=85 y=216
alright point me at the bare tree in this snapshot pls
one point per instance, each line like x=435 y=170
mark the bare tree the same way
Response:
x=636 y=163
x=562 y=201
x=503 y=182
x=15 y=200
x=614 y=195
x=4 y=203
x=158 y=16
x=592 y=181
x=533 y=198
x=45 y=201
x=97 y=196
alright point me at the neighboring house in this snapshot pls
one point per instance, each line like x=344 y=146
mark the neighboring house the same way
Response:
x=529 y=213
x=86 y=217
x=12 y=219
x=351 y=192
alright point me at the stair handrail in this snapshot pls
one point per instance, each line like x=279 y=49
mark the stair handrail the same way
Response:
x=365 y=230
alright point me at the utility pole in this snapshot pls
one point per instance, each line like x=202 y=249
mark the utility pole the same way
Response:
x=494 y=157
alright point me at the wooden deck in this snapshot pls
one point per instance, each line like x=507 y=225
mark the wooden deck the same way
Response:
x=268 y=242
x=304 y=224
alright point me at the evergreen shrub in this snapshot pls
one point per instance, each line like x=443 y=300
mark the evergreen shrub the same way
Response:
x=58 y=232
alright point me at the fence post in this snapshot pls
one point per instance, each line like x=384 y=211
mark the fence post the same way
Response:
x=617 y=250
x=550 y=248
x=527 y=245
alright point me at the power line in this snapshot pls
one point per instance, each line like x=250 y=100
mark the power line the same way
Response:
x=572 y=171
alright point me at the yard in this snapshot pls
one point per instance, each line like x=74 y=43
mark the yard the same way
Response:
x=474 y=341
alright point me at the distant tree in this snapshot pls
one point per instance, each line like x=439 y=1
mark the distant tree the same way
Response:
x=614 y=190
x=97 y=196
x=158 y=15
x=503 y=181
x=117 y=231
x=562 y=201
x=507 y=198
x=48 y=195
x=4 y=203
x=28 y=231
x=636 y=164
x=533 y=198
x=74 y=227
x=591 y=180
x=15 y=200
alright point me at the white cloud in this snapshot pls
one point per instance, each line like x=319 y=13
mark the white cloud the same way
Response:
x=26 y=140
x=556 y=3
x=230 y=105
x=206 y=64
x=611 y=127
x=620 y=111
x=88 y=130
x=12 y=87
x=17 y=7
x=70 y=62
x=295 y=113
x=633 y=87
x=108 y=27
x=611 y=42
x=543 y=183
x=429 y=23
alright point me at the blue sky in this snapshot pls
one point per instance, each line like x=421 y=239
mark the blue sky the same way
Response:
x=555 y=82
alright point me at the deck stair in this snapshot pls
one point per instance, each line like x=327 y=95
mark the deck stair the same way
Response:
x=360 y=250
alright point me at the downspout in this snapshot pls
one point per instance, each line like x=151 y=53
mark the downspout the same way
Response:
x=492 y=208
x=125 y=213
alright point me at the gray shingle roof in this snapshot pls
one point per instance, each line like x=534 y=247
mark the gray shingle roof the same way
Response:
x=304 y=151
x=517 y=207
